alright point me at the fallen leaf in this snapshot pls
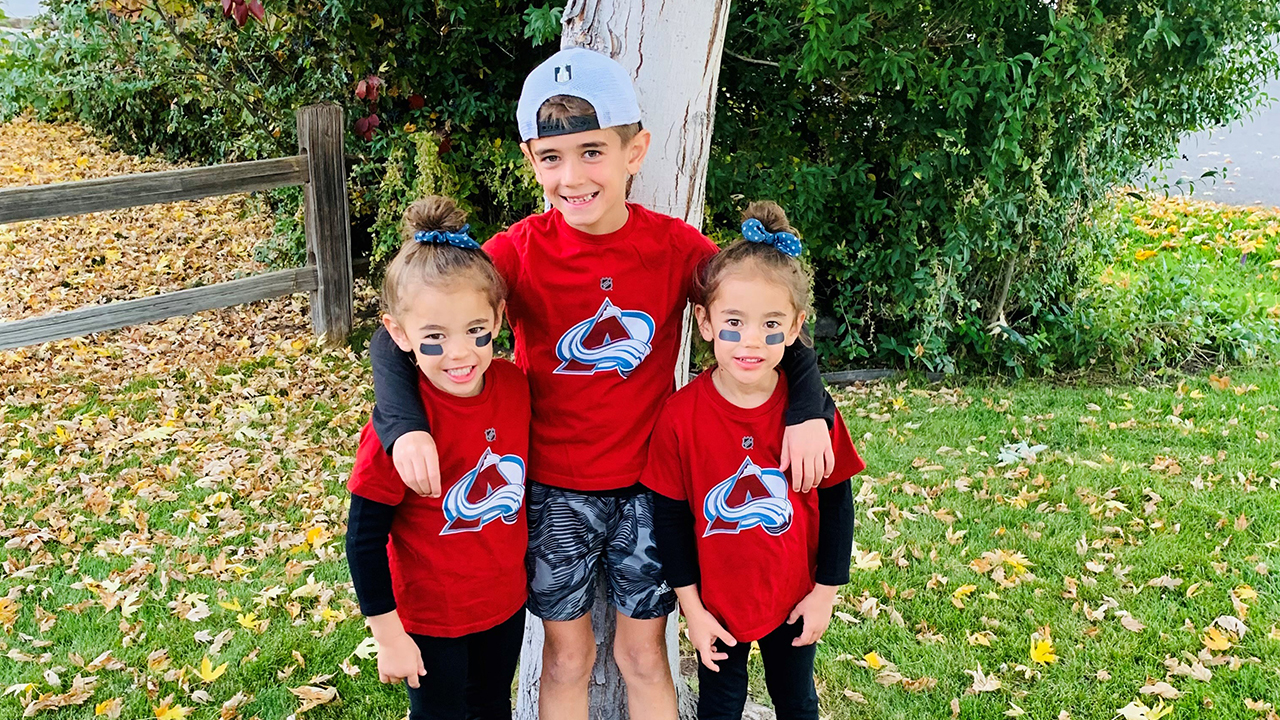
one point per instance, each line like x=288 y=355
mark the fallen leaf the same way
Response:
x=1161 y=688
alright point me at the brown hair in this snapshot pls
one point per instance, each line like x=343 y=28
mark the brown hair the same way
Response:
x=437 y=264
x=771 y=263
x=560 y=108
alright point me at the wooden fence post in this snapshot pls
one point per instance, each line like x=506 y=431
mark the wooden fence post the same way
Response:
x=320 y=138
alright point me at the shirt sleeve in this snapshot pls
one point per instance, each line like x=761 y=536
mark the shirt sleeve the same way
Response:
x=398 y=409
x=848 y=462
x=807 y=398
x=501 y=249
x=368 y=528
x=676 y=543
x=835 y=533
x=663 y=473
x=374 y=476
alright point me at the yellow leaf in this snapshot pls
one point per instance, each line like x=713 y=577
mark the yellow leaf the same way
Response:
x=1215 y=640
x=1042 y=652
x=208 y=673
x=1220 y=383
x=873 y=660
x=249 y=621
x=111 y=708
x=1145 y=254
x=165 y=712
x=233 y=605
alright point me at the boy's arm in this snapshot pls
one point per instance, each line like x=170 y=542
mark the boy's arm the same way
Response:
x=808 y=399
x=835 y=533
x=395 y=389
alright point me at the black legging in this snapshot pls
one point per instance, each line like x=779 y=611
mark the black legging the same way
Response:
x=788 y=674
x=469 y=677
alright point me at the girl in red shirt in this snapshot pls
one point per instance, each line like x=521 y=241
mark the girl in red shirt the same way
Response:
x=750 y=558
x=441 y=578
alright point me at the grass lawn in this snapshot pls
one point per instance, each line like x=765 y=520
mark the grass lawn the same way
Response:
x=172 y=510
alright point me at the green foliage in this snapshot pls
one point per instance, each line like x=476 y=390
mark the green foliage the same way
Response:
x=932 y=150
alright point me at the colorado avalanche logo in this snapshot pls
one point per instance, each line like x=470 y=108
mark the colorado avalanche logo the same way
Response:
x=753 y=496
x=493 y=489
x=614 y=339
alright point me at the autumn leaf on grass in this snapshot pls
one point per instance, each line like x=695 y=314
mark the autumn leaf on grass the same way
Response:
x=1130 y=623
x=208 y=673
x=249 y=621
x=111 y=708
x=314 y=696
x=1144 y=254
x=1219 y=383
x=169 y=711
x=1136 y=710
x=1042 y=647
x=962 y=592
x=1014 y=710
x=873 y=660
x=863 y=560
x=983 y=638
x=1213 y=639
x=1161 y=688
x=982 y=682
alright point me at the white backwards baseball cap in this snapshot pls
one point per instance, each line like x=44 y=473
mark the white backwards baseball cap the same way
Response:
x=580 y=73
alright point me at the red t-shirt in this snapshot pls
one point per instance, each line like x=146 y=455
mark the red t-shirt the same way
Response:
x=757 y=538
x=457 y=561
x=596 y=320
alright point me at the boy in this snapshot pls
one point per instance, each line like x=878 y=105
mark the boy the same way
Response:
x=597 y=292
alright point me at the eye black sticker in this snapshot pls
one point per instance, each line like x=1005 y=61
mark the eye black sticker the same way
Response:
x=730 y=336
x=485 y=339
x=429 y=349
x=775 y=339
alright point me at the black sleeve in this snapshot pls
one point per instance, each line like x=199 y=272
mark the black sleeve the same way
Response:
x=808 y=398
x=835 y=533
x=673 y=535
x=395 y=388
x=368 y=527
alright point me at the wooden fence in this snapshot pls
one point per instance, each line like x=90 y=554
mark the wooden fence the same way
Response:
x=319 y=167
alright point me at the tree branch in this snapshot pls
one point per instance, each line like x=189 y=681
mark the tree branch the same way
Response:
x=744 y=58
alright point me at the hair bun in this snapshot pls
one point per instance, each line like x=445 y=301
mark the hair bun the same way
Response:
x=771 y=215
x=434 y=212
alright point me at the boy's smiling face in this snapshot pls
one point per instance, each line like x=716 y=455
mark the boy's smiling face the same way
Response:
x=585 y=174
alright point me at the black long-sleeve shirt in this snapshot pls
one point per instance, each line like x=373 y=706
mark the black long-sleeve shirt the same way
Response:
x=368 y=529
x=678 y=550
x=399 y=408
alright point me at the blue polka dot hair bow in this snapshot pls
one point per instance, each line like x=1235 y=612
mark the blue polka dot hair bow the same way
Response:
x=461 y=239
x=786 y=243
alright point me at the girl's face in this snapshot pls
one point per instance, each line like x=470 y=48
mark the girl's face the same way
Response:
x=750 y=322
x=450 y=332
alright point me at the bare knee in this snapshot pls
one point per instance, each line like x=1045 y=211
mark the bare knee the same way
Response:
x=643 y=661
x=567 y=663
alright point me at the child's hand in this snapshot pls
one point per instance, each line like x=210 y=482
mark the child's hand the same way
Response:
x=418 y=463
x=815 y=608
x=806 y=449
x=399 y=658
x=703 y=631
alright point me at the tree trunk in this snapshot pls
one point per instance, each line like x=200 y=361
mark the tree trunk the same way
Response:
x=673 y=52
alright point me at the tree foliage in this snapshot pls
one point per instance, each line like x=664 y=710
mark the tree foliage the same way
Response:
x=944 y=159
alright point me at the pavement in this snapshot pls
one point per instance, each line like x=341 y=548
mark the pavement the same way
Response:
x=1249 y=150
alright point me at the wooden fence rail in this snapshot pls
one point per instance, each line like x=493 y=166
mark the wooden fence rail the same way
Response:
x=319 y=167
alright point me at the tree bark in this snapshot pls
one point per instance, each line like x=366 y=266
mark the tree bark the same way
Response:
x=673 y=51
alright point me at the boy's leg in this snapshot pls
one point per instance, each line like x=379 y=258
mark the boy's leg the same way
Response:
x=566 y=541
x=788 y=673
x=492 y=656
x=643 y=601
x=722 y=695
x=440 y=694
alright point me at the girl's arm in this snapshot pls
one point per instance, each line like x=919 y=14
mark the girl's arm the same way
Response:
x=677 y=549
x=368 y=528
x=395 y=389
x=675 y=540
x=835 y=533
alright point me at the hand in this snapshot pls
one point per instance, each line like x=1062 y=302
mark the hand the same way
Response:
x=806 y=449
x=399 y=659
x=704 y=630
x=418 y=463
x=815 y=608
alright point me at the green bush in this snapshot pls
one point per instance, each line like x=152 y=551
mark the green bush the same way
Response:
x=945 y=158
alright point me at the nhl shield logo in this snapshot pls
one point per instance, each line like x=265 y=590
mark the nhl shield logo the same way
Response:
x=748 y=442
x=490 y=435
x=606 y=283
